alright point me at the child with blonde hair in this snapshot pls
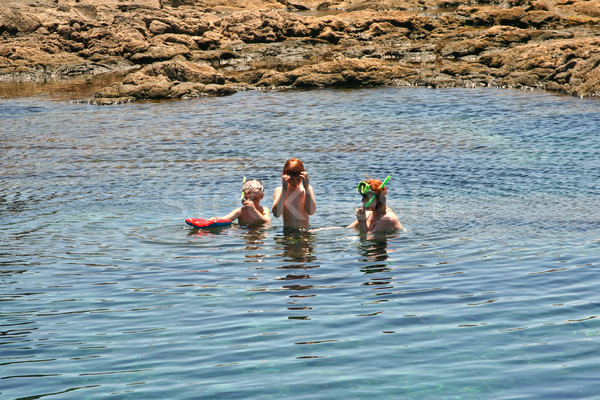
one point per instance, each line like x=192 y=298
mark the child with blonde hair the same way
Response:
x=251 y=211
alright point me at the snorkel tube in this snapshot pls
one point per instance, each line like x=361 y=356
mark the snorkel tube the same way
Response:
x=243 y=194
x=380 y=187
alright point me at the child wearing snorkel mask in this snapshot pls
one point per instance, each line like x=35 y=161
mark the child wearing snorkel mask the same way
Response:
x=251 y=211
x=374 y=215
x=295 y=199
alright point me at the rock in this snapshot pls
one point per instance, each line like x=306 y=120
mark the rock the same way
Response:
x=346 y=72
x=539 y=19
x=568 y=66
x=493 y=60
x=464 y=48
x=274 y=79
x=168 y=80
x=319 y=80
x=539 y=6
x=161 y=52
x=550 y=44
x=159 y=27
x=209 y=40
x=522 y=80
x=507 y=35
x=183 y=72
x=16 y=21
x=585 y=76
x=590 y=8
x=186 y=89
x=218 y=90
x=331 y=35
x=489 y=16
x=256 y=26
x=381 y=28
x=248 y=77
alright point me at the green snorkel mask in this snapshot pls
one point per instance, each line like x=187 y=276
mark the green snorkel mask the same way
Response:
x=364 y=188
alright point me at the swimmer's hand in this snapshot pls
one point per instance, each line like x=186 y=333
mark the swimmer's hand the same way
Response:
x=284 y=182
x=360 y=214
x=249 y=203
x=304 y=176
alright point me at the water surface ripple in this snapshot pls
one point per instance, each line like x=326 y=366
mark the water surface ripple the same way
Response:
x=489 y=293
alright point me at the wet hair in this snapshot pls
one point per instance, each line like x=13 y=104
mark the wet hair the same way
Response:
x=293 y=166
x=375 y=185
x=252 y=184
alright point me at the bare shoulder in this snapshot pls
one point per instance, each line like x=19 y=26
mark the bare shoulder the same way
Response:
x=394 y=220
x=390 y=220
x=237 y=211
x=390 y=214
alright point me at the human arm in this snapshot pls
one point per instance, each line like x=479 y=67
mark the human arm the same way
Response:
x=279 y=196
x=266 y=215
x=310 y=204
x=234 y=214
x=259 y=213
x=353 y=224
x=361 y=220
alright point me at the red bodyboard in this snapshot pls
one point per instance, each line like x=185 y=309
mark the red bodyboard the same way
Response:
x=202 y=223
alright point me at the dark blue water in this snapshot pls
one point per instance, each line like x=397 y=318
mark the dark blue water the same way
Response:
x=491 y=292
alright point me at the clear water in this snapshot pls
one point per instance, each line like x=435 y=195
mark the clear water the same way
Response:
x=491 y=292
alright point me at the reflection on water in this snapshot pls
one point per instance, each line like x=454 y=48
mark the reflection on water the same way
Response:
x=374 y=246
x=297 y=246
x=374 y=251
x=68 y=88
x=255 y=238
x=490 y=293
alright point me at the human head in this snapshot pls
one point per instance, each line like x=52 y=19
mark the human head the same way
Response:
x=374 y=189
x=253 y=189
x=293 y=167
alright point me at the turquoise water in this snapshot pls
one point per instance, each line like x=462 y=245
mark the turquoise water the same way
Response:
x=489 y=293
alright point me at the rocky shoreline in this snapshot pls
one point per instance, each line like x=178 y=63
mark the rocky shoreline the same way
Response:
x=190 y=48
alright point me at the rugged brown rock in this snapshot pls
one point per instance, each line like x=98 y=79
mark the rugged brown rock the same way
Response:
x=187 y=48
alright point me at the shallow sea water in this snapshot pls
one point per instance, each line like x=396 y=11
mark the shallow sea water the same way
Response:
x=490 y=292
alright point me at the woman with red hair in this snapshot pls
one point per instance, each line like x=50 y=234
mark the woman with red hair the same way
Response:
x=374 y=215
